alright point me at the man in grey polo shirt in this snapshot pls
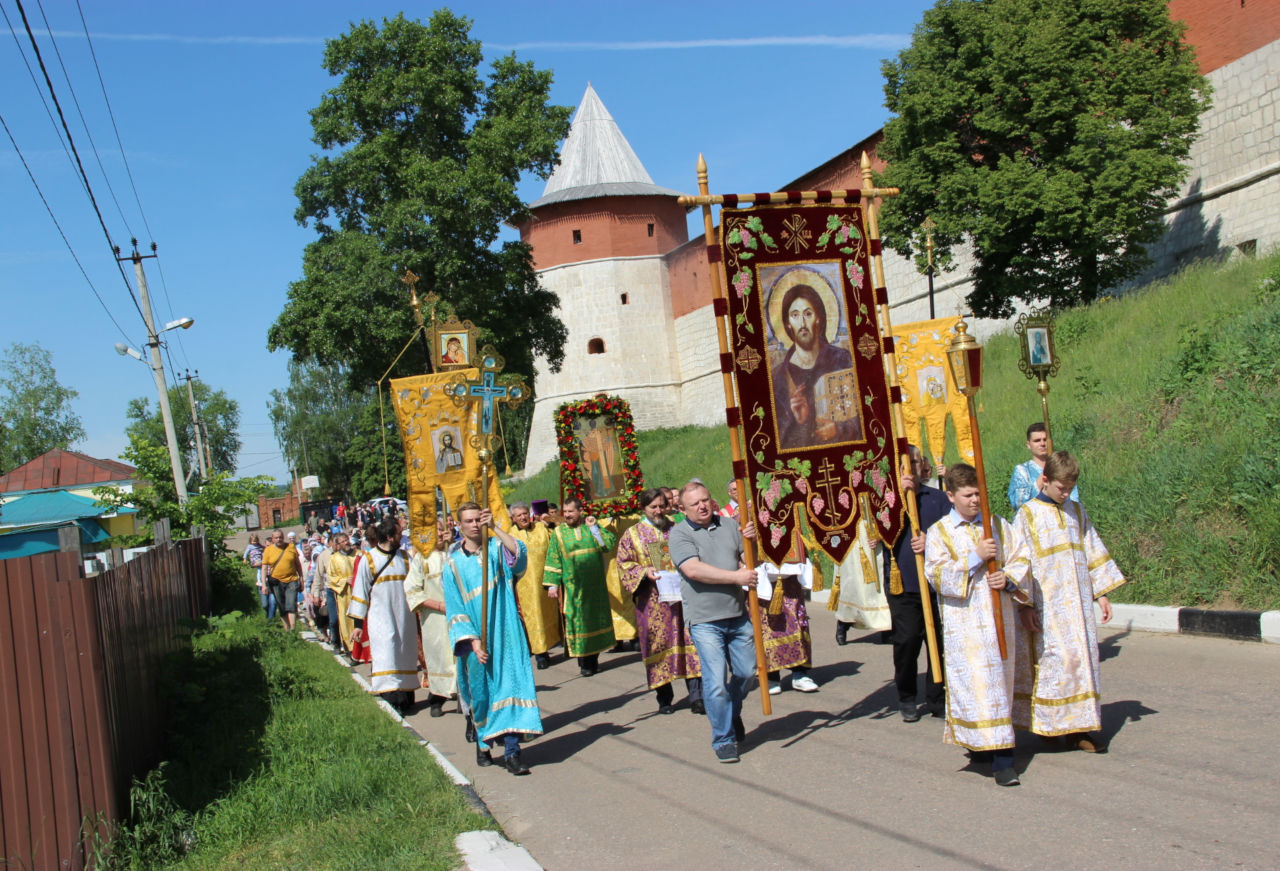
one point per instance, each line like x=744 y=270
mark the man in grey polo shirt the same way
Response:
x=707 y=549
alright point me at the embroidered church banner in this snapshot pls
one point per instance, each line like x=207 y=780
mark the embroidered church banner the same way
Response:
x=808 y=358
x=929 y=392
x=439 y=460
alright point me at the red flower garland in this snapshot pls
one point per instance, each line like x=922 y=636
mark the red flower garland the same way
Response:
x=572 y=483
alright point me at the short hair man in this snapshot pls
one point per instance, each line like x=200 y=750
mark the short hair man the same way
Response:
x=708 y=551
x=1028 y=478
x=282 y=567
x=906 y=607
x=495 y=679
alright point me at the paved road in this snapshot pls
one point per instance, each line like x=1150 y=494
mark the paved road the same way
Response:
x=836 y=780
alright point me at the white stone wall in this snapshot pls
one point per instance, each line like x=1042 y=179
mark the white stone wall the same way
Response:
x=1232 y=193
x=639 y=363
x=702 y=393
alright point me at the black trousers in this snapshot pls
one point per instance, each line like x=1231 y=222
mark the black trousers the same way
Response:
x=908 y=639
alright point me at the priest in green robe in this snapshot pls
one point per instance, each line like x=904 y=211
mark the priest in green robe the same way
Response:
x=575 y=573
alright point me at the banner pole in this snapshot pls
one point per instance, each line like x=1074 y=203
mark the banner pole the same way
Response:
x=895 y=394
x=735 y=436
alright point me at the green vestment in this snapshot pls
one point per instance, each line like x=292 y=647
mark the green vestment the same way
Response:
x=575 y=564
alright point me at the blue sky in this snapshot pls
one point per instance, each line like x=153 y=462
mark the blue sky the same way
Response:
x=211 y=101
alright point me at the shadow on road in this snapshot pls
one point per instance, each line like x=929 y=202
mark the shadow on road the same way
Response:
x=551 y=751
x=1116 y=714
x=1109 y=648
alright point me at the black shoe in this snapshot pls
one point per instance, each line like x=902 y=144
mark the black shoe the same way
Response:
x=937 y=709
x=739 y=730
x=542 y=661
x=633 y=645
x=514 y=764
x=697 y=707
x=483 y=759
x=1007 y=777
x=470 y=734
x=437 y=709
x=910 y=713
x=585 y=672
x=842 y=632
x=981 y=757
x=619 y=647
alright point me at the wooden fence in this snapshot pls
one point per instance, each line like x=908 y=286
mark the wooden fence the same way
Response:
x=81 y=711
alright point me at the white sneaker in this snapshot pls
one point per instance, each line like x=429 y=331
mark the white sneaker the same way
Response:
x=775 y=688
x=803 y=683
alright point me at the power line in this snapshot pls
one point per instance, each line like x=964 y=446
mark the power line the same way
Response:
x=164 y=284
x=83 y=121
x=35 y=47
x=65 y=240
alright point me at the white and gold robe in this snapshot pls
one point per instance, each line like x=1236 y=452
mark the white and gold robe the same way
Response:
x=423 y=583
x=389 y=625
x=861 y=598
x=980 y=685
x=1070 y=568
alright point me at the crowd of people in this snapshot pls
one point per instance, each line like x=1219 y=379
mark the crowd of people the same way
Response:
x=673 y=585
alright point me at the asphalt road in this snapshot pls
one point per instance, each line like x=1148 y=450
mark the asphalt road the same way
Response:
x=835 y=779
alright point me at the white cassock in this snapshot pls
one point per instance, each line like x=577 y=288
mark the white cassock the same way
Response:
x=389 y=625
x=862 y=597
x=424 y=583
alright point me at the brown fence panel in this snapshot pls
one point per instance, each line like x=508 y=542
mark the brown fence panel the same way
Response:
x=80 y=705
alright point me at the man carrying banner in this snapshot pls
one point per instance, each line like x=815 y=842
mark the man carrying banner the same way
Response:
x=494 y=677
x=905 y=604
x=708 y=551
x=645 y=569
x=540 y=612
x=575 y=570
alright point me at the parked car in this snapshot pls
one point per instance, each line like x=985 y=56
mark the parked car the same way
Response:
x=396 y=505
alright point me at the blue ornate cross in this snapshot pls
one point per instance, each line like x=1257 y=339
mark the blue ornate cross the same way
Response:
x=487 y=390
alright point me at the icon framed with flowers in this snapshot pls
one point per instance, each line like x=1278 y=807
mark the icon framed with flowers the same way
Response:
x=598 y=460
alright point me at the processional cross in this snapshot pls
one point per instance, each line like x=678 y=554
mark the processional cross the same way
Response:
x=487 y=392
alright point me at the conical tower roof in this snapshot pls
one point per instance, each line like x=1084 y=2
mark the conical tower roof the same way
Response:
x=597 y=161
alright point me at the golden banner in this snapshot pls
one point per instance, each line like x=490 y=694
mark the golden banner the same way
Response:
x=929 y=392
x=439 y=459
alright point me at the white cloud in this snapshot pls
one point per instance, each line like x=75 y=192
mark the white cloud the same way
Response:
x=869 y=40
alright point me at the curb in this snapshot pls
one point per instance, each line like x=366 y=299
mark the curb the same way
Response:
x=483 y=850
x=1240 y=625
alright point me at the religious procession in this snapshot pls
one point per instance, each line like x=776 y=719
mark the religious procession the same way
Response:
x=461 y=598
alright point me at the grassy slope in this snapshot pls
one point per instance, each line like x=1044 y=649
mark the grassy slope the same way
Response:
x=1169 y=398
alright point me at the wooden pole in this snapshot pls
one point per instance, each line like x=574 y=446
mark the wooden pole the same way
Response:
x=484 y=554
x=899 y=428
x=735 y=435
x=997 y=606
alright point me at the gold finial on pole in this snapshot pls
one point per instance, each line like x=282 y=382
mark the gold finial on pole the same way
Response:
x=410 y=278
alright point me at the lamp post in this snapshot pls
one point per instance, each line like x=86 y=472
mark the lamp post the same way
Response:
x=929 y=226
x=157 y=369
x=964 y=355
x=1039 y=358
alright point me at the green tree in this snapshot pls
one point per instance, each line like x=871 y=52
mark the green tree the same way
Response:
x=314 y=419
x=372 y=468
x=219 y=501
x=1048 y=133
x=422 y=161
x=219 y=414
x=35 y=410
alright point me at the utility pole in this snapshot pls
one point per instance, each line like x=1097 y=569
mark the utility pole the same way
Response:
x=157 y=369
x=195 y=427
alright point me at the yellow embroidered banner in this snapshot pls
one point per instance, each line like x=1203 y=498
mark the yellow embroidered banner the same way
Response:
x=929 y=392
x=438 y=457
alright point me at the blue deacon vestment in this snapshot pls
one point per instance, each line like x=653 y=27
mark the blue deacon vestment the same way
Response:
x=502 y=694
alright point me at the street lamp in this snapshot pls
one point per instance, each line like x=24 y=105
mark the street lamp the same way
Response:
x=964 y=355
x=157 y=369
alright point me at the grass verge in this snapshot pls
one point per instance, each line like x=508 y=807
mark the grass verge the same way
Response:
x=277 y=759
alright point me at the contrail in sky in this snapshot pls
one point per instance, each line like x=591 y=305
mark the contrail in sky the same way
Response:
x=868 y=40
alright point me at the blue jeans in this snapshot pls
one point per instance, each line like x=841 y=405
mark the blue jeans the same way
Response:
x=269 y=604
x=728 y=653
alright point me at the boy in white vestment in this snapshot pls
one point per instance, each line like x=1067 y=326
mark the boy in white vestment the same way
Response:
x=1070 y=569
x=979 y=683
